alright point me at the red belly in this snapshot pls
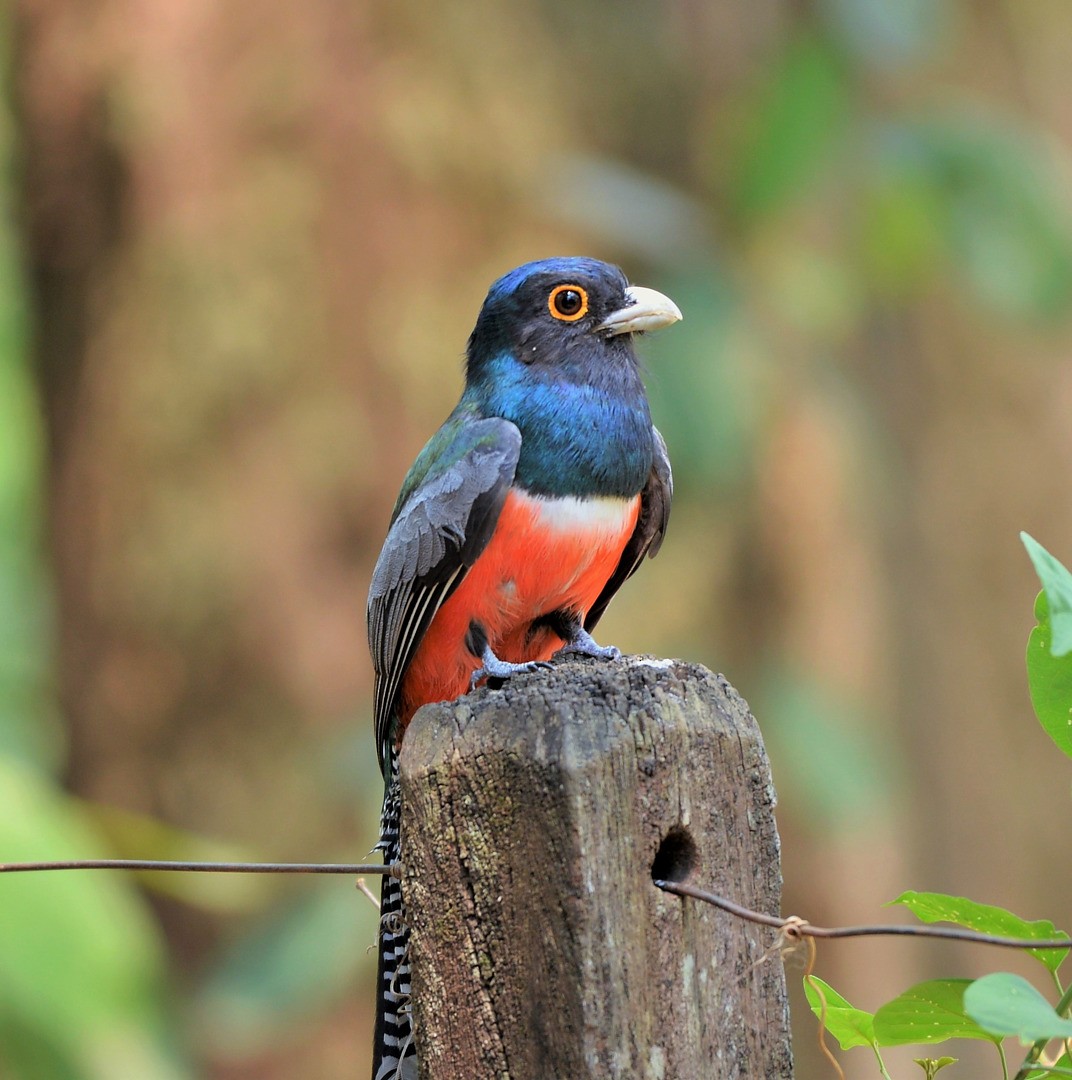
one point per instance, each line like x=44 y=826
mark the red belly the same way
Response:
x=533 y=565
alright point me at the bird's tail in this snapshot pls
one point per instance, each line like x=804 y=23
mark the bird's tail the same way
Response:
x=394 y=1054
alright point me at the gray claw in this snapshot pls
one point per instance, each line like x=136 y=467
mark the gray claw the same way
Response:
x=583 y=644
x=492 y=667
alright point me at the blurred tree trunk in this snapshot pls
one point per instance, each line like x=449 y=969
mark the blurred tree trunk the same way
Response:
x=185 y=261
x=252 y=234
x=980 y=419
x=247 y=285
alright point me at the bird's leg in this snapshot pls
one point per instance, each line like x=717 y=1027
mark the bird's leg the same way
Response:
x=580 y=643
x=491 y=667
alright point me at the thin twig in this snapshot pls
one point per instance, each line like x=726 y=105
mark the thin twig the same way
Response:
x=366 y=891
x=203 y=867
x=799 y=928
x=813 y=983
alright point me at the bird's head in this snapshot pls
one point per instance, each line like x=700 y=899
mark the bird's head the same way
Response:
x=564 y=319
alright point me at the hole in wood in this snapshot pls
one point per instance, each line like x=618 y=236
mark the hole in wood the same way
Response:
x=676 y=857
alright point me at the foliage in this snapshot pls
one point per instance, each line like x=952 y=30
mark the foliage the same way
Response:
x=1009 y=1005
x=1049 y=649
x=82 y=992
x=837 y=194
x=987 y=919
x=291 y=964
x=932 y=1066
x=849 y=1025
x=1057 y=588
x=999 y=1005
x=83 y=995
x=929 y=1012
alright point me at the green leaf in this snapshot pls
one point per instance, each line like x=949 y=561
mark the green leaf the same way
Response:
x=1049 y=679
x=851 y=1027
x=1049 y=660
x=138 y=836
x=300 y=958
x=1057 y=585
x=82 y=986
x=928 y=1012
x=931 y=907
x=803 y=110
x=1008 y=224
x=842 y=767
x=1007 y=1004
x=900 y=230
x=997 y=204
x=932 y=1066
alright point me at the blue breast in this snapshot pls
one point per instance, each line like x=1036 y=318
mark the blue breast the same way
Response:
x=580 y=438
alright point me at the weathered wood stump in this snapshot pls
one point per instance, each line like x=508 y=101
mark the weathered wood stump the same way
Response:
x=532 y=818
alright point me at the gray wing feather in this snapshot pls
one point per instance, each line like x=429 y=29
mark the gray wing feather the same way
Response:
x=437 y=534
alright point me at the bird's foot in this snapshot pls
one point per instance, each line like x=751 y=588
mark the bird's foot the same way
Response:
x=583 y=644
x=491 y=667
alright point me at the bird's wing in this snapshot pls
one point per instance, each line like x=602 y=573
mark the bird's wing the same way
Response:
x=444 y=518
x=648 y=534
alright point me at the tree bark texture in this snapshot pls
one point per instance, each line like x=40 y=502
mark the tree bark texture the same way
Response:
x=532 y=818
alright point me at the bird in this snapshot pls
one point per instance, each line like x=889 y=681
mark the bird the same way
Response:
x=540 y=494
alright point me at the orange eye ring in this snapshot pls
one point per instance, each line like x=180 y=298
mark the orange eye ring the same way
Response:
x=568 y=303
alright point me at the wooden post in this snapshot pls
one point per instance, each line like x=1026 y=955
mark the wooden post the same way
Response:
x=532 y=817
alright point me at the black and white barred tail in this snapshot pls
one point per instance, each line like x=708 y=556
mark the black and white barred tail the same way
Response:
x=394 y=1054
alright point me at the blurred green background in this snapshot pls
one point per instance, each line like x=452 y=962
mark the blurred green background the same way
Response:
x=241 y=248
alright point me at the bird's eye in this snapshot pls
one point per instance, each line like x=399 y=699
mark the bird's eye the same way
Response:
x=568 y=303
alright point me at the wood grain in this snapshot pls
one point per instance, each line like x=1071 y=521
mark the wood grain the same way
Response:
x=532 y=816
